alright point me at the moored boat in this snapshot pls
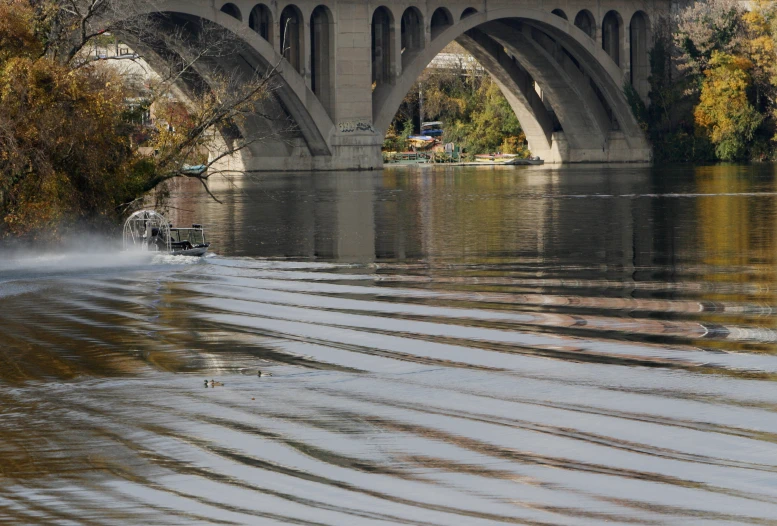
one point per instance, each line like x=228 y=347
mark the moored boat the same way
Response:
x=504 y=159
x=421 y=142
x=197 y=169
x=495 y=157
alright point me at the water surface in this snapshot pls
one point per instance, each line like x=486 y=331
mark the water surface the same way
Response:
x=523 y=345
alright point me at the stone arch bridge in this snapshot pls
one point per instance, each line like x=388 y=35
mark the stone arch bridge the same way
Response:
x=346 y=65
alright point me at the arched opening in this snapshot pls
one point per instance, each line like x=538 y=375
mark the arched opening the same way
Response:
x=232 y=10
x=260 y=20
x=285 y=104
x=321 y=54
x=441 y=20
x=611 y=35
x=469 y=12
x=585 y=21
x=580 y=85
x=382 y=49
x=412 y=32
x=291 y=36
x=639 y=35
x=560 y=13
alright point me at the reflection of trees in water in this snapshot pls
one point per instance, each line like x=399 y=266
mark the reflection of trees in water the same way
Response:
x=734 y=231
x=123 y=331
x=735 y=236
x=466 y=213
x=498 y=215
x=462 y=214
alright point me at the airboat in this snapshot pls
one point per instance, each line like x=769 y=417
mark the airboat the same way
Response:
x=149 y=231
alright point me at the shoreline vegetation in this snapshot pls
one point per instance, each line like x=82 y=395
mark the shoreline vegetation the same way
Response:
x=713 y=84
x=83 y=141
x=475 y=114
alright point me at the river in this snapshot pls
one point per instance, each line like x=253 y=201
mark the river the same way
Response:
x=448 y=346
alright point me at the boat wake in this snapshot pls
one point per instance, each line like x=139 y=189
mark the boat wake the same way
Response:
x=401 y=394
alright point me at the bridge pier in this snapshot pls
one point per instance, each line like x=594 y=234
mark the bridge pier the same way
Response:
x=348 y=153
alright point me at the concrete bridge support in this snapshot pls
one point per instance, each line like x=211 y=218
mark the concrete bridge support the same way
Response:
x=346 y=65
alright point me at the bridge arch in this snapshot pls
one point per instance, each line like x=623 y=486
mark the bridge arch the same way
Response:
x=639 y=39
x=560 y=13
x=261 y=21
x=293 y=99
x=322 y=52
x=468 y=12
x=412 y=34
x=585 y=20
x=612 y=36
x=383 y=54
x=544 y=63
x=440 y=21
x=292 y=36
x=232 y=10
x=524 y=48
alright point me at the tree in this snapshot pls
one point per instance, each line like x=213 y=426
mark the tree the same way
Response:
x=475 y=113
x=706 y=27
x=761 y=48
x=724 y=107
x=66 y=152
x=713 y=91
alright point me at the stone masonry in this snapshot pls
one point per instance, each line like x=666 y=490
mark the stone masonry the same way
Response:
x=346 y=65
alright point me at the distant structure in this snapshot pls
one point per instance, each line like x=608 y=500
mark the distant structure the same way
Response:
x=456 y=60
x=346 y=65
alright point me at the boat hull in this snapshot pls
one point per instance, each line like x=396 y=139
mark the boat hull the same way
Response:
x=195 y=252
x=426 y=162
x=508 y=162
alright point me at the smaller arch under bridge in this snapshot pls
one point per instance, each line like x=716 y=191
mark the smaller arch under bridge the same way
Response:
x=346 y=65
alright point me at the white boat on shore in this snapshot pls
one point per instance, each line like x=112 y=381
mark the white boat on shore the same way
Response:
x=493 y=159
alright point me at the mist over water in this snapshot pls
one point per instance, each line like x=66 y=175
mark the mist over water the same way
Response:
x=447 y=346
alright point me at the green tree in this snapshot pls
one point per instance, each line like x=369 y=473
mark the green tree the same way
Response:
x=491 y=119
x=475 y=113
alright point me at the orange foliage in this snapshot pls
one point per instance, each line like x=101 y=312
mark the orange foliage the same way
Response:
x=59 y=133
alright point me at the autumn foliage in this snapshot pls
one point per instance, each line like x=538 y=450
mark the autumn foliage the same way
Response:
x=68 y=125
x=714 y=82
x=724 y=108
x=59 y=133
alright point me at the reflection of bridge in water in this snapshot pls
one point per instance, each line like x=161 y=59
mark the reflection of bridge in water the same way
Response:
x=461 y=215
x=347 y=65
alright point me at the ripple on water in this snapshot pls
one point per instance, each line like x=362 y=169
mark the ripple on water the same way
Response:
x=388 y=404
x=565 y=383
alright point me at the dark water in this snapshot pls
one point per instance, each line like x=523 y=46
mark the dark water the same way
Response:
x=448 y=346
